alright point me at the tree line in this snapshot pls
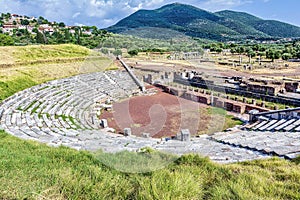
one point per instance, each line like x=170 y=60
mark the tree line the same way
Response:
x=283 y=51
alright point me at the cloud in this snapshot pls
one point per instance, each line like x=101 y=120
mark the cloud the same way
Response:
x=76 y=15
x=101 y=13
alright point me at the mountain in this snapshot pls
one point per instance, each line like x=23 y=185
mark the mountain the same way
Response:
x=272 y=28
x=195 y=22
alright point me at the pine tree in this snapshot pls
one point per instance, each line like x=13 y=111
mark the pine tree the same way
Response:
x=40 y=38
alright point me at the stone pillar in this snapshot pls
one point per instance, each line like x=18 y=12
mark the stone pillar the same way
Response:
x=253 y=101
x=185 y=135
x=127 y=131
x=146 y=135
x=252 y=117
x=263 y=104
x=104 y=123
x=244 y=100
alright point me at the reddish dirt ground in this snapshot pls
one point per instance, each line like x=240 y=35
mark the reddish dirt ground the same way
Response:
x=160 y=115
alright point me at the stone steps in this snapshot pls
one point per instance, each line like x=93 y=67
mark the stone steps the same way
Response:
x=46 y=113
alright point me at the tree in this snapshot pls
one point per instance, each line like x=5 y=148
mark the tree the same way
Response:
x=104 y=50
x=233 y=45
x=58 y=37
x=251 y=54
x=77 y=35
x=133 y=52
x=286 y=56
x=240 y=50
x=61 y=24
x=221 y=45
x=6 y=40
x=117 y=52
x=218 y=50
x=95 y=32
x=35 y=30
x=278 y=54
x=232 y=50
x=256 y=47
x=25 y=22
x=261 y=53
x=270 y=54
x=40 y=38
x=67 y=35
x=7 y=16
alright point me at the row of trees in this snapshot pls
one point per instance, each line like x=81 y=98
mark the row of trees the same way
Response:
x=278 y=51
x=60 y=36
x=64 y=36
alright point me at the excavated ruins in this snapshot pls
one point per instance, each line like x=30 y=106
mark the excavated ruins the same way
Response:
x=64 y=112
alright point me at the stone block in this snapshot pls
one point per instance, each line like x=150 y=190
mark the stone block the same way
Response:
x=127 y=131
x=146 y=135
x=104 y=123
x=185 y=135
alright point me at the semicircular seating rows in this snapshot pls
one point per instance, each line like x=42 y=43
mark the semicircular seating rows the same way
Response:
x=63 y=112
x=57 y=111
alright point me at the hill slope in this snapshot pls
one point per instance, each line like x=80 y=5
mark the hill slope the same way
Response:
x=26 y=66
x=272 y=28
x=196 y=22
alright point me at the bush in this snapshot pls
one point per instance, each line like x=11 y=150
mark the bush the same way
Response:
x=117 y=52
x=133 y=52
x=6 y=40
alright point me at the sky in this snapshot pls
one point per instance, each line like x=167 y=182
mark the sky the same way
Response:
x=104 y=13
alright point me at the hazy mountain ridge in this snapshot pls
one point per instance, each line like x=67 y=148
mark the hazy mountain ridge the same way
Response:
x=196 y=22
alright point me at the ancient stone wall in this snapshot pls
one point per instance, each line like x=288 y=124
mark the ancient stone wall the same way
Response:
x=241 y=92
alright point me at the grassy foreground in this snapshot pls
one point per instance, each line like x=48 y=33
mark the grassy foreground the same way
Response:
x=35 y=171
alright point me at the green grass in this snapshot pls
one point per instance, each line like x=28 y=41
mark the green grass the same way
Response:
x=144 y=161
x=16 y=77
x=34 y=110
x=8 y=88
x=43 y=52
x=215 y=119
x=30 y=105
x=30 y=170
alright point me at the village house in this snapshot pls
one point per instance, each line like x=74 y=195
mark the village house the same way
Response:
x=8 y=28
x=45 y=28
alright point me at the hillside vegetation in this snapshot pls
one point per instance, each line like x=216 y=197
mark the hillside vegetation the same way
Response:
x=23 y=67
x=195 y=22
x=35 y=171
